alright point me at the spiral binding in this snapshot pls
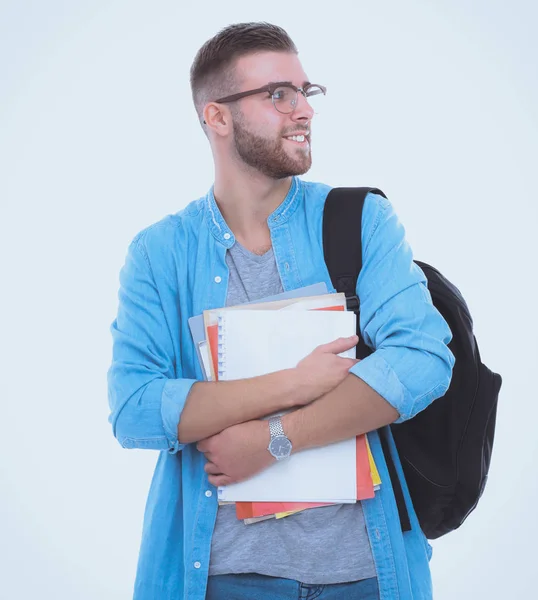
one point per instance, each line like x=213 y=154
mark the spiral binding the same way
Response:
x=221 y=349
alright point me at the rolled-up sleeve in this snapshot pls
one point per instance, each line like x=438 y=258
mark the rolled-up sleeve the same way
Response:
x=145 y=396
x=411 y=364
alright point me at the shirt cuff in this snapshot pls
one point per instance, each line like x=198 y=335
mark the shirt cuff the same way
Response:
x=174 y=396
x=375 y=371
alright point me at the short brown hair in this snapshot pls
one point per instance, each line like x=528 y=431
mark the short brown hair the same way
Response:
x=212 y=72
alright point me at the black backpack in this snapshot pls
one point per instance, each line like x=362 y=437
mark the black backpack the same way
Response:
x=445 y=449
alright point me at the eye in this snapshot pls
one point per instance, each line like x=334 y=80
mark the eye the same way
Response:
x=283 y=94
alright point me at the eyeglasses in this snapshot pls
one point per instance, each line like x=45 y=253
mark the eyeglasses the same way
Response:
x=283 y=95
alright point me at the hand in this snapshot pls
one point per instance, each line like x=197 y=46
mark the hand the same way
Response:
x=237 y=453
x=322 y=370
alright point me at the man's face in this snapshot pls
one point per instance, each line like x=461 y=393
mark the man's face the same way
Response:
x=260 y=132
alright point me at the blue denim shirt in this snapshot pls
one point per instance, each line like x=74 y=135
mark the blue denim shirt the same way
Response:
x=175 y=269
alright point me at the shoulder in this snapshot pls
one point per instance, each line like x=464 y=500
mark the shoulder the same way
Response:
x=170 y=229
x=377 y=213
x=317 y=192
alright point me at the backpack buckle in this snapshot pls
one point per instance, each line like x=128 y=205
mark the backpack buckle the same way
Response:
x=352 y=303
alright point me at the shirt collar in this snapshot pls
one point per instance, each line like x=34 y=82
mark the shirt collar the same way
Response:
x=223 y=234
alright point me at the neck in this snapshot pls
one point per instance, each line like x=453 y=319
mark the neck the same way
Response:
x=246 y=199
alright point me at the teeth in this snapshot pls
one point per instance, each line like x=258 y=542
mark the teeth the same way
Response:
x=297 y=138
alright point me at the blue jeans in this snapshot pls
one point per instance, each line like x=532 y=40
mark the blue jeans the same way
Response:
x=251 y=586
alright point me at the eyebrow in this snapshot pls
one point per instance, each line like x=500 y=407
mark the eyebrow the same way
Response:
x=287 y=82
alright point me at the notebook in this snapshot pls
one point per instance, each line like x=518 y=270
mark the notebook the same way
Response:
x=256 y=342
x=211 y=316
x=198 y=332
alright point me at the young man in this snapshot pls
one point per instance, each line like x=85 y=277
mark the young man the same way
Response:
x=257 y=232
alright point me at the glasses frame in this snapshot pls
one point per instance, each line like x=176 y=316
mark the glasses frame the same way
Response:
x=270 y=88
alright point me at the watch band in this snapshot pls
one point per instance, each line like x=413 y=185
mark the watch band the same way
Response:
x=275 y=427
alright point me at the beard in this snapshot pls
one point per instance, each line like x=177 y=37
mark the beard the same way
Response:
x=269 y=156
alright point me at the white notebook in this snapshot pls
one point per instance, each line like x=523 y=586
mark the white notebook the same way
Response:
x=257 y=342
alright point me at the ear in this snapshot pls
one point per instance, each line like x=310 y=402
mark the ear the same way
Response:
x=217 y=118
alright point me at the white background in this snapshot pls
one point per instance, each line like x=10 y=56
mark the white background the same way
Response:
x=434 y=102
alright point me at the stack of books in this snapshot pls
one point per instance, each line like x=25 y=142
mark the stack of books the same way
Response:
x=269 y=335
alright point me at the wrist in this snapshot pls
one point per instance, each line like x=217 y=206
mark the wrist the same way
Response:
x=299 y=391
x=264 y=436
x=291 y=424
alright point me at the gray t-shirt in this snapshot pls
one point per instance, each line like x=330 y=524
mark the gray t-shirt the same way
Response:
x=320 y=545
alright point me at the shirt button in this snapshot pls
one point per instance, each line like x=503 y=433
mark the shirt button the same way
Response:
x=209 y=493
x=197 y=565
x=227 y=236
x=218 y=279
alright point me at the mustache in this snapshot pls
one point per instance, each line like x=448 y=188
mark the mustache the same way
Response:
x=298 y=132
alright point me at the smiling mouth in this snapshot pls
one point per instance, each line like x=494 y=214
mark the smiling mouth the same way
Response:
x=299 y=140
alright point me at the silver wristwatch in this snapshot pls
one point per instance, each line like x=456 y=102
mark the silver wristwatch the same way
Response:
x=279 y=446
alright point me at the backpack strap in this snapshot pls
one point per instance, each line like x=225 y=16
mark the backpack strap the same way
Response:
x=342 y=245
x=342 y=248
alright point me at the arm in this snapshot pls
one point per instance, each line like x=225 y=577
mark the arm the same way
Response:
x=411 y=365
x=214 y=406
x=350 y=409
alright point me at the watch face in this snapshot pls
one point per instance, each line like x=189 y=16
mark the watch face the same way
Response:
x=280 y=447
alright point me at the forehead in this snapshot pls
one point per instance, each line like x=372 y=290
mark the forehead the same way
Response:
x=257 y=70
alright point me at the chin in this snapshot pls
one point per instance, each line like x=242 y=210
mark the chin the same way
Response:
x=304 y=168
x=300 y=167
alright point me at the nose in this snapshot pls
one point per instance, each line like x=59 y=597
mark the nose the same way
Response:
x=303 y=111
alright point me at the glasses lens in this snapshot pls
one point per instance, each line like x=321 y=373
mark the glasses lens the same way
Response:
x=284 y=99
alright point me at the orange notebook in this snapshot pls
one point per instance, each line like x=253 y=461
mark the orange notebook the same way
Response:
x=365 y=485
x=213 y=339
x=247 y=510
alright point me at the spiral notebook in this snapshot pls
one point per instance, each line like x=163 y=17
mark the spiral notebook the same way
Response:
x=257 y=342
x=198 y=331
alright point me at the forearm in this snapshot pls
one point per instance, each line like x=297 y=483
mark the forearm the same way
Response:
x=214 y=406
x=351 y=409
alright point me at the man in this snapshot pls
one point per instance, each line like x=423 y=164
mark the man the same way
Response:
x=257 y=232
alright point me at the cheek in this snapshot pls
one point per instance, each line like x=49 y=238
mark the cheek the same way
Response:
x=271 y=124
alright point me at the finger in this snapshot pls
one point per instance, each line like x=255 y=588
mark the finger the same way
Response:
x=205 y=445
x=217 y=480
x=339 y=345
x=212 y=469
